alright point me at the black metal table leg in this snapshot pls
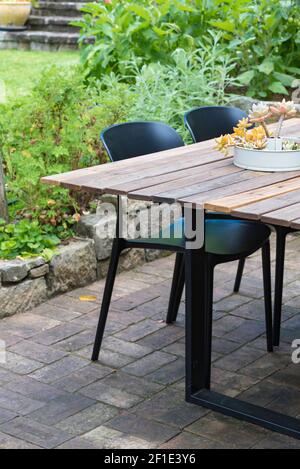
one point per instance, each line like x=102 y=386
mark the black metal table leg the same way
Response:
x=198 y=357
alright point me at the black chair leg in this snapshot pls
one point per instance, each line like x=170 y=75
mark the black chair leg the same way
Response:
x=176 y=289
x=239 y=275
x=110 y=280
x=280 y=258
x=266 y=261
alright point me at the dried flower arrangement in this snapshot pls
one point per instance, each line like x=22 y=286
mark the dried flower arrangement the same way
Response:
x=253 y=132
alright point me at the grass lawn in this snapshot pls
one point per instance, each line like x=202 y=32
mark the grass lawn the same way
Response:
x=20 y=69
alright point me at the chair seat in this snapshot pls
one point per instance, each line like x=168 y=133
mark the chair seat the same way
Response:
x=222 y=236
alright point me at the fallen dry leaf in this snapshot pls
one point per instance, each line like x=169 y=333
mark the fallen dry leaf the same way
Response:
x=88 y=298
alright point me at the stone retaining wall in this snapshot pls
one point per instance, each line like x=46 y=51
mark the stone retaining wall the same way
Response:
x=27 y=283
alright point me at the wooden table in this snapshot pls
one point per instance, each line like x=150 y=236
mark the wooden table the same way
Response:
x=199 y=175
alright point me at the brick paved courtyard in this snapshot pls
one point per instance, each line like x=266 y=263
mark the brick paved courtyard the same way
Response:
x=52 y=396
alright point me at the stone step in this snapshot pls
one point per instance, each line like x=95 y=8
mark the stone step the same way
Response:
x=58 y=9
x=39 y=40
x=52 y=24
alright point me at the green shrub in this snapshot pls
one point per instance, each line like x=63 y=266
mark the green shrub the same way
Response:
x=127 y=30
x=26 y=239
x=165 y=93
x=265 y=38
x=262 y=37
x=55 y=129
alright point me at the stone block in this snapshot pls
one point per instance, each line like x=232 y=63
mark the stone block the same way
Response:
x=22 y=297
x=39 y=271
x=74 y=266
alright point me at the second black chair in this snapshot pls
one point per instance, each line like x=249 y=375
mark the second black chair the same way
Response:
x=204 y=123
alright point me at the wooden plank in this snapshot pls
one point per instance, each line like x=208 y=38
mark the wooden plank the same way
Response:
x=265 y=191
x=104 y=178
x=296 y=224
x=256 y=210
x=148 y=181
x=133 y=164
x=166 y=190
x=283 y=216
x=203 y=187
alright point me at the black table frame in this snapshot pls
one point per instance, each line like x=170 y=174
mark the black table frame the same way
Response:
x=198 y=358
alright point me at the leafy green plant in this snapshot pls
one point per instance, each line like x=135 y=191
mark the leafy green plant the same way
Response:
x=55 y=129
x=262 y=37
x=26 y=239
x=165 y=92
x=144 y=30
x=265 y=38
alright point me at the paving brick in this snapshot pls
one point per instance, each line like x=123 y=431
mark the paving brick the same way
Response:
x=289 y=375
x=135 y=299
x=58 y=370
x=5 y=416
x=33 y=389
x=131 y=384
x=240 y=358
x=143 y=428
x=227 y=430
x=107 y=357
x=27 y=325
x=72 y=304
x=113 y=396
x=140 y=330
x=61 y=408
x=150 y=363
x=247 y=331
x=163 y=337
x=9 y=442
x=55 y=312
x=187 y=440
x=37 y=352
x=88 y=419
x=57 y=334
x=6 y=376
x=126 y=348
x=35 y=433
x=17 y=403
x=265 y=366
x=170 y=373
x=226 y=324
x=231 y=383
x=107 y=438
x=77 y=342
x=169 y=407
x=231 y=302
x=83 y=377
x=21 y=365
x=275 y=441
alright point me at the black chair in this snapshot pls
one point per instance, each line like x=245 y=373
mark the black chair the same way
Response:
x=205 y=123
x=226 y=240
x=210 y=122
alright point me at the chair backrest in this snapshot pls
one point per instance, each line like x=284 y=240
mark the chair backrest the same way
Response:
x=205 y=123
x=133 y=139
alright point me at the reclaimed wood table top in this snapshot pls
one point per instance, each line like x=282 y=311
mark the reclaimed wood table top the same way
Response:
x=200 y=175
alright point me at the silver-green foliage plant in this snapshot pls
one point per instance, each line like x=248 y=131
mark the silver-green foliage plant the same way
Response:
x=199 y=78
